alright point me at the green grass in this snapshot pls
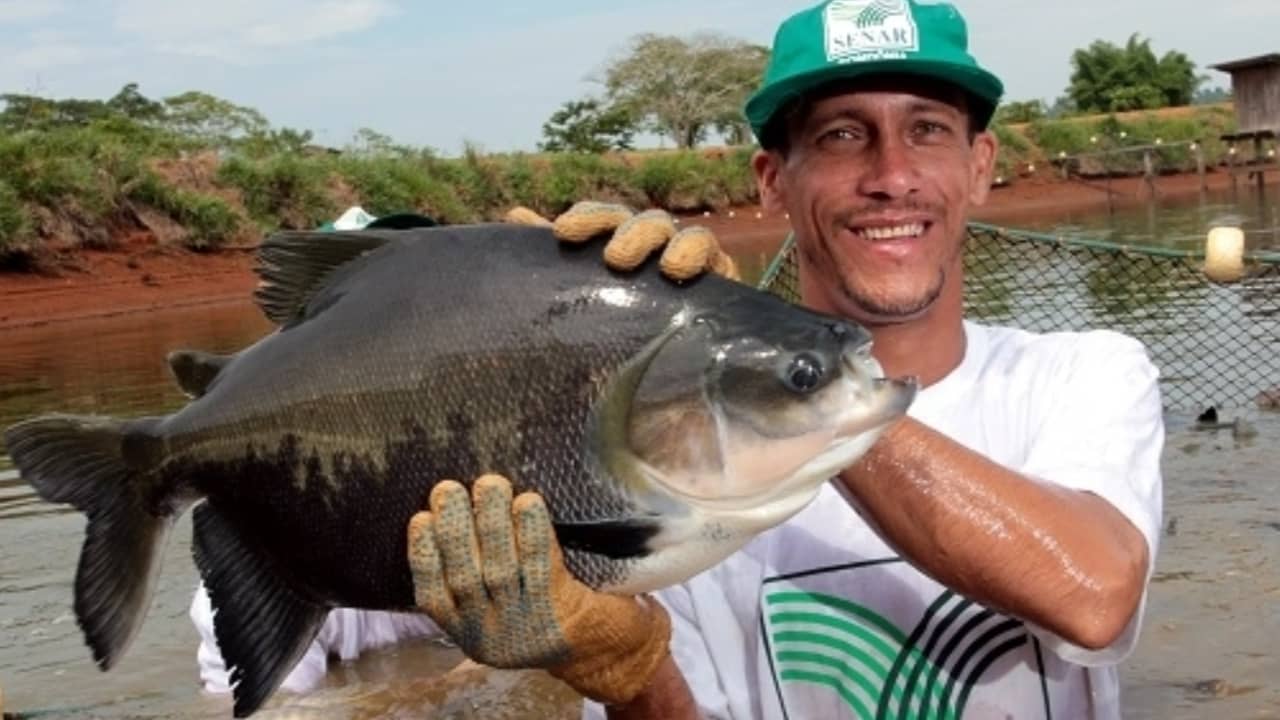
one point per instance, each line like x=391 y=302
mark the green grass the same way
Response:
x=13 y=221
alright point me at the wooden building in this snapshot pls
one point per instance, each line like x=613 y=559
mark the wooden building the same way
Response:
x=1255 y=87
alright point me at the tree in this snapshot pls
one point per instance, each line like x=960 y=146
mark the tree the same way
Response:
x=1020 y=112
x=134 y=105
x=587 y=126
x=212 y=119
x=682 y=88
x=1109 y=78
x=30 y=112
x=368 y=142
x=283 y=140
x=743 y=66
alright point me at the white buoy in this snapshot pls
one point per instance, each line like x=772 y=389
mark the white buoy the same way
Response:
x=1224 y=254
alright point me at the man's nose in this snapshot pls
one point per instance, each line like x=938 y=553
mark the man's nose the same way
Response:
x=891 y=173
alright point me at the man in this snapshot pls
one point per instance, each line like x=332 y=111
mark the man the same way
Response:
x=988 y=558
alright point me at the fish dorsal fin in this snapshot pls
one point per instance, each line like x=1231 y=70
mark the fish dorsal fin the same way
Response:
x=195 y=370
x=294 y=265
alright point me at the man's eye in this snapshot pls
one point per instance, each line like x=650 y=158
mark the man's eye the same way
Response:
x=928 y=127
x=840 y=135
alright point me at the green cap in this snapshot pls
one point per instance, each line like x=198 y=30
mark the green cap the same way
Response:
x=852 y=38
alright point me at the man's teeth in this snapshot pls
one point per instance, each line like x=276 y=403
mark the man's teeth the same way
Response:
x=890 y=233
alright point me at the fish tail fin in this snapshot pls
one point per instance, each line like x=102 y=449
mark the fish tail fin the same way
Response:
x=263 y=624
x=79 y=460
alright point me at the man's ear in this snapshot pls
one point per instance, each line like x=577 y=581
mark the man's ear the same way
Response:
x=767 y=165
x=982 y=166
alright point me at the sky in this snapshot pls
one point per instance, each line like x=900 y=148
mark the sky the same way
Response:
x=441 y=74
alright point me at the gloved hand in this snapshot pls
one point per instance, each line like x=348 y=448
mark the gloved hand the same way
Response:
x=493 y=578
x=687 y=253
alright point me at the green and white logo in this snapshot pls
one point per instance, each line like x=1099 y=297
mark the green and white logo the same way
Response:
x=834 y=657
x=869 y=30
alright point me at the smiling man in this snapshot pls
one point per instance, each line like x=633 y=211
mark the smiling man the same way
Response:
x=989 y=557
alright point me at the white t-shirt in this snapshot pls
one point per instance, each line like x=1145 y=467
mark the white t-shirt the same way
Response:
x=819 y=618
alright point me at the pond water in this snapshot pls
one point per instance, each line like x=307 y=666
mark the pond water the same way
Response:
x=1174 y=222
x=1208 y=649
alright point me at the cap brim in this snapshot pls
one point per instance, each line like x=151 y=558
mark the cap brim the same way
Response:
x=982 y=85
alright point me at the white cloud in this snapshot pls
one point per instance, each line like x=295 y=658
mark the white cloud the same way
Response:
x=13 y=11
x=239 y=30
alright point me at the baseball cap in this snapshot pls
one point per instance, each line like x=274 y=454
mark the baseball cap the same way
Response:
x=841 y=39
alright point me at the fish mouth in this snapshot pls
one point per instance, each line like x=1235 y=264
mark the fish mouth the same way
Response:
x=883 y=398
x=867 y=404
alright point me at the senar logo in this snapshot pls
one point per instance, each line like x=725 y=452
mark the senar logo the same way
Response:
x=869 y=29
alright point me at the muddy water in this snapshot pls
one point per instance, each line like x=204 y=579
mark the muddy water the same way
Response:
x=1210 y=646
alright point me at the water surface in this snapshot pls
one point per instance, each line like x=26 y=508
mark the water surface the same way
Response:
x=1174 y=222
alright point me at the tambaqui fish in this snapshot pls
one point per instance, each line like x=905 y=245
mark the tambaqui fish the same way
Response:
x=664 y=424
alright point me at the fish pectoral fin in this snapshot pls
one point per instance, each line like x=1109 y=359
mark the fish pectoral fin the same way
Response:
x=618 y=539
x=195 y=370
x=80 y=460
x=263 y=625
x=295 y=265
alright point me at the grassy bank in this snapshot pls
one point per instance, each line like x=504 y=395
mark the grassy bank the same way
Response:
x=92 y=185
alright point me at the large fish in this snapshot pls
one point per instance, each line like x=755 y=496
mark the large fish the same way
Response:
x=665 y=425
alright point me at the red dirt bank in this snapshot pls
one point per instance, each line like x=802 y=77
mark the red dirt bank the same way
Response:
x=141 y=275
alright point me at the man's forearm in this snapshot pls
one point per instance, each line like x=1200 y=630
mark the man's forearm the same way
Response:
x=666 y=696
x=1063 y=559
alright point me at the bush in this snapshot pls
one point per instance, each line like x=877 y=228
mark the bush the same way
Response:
x=1060 y=136
x=736 y=178
x=209 y=220
x=1015 y=153
x=282 y=191
x=678 y=181
x=13 y=220
x=525 y=184
x=55 y=168
x=577 y=176
x=480 y=182
x=394 y=184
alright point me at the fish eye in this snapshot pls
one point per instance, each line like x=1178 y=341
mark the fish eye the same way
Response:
x=804 y=374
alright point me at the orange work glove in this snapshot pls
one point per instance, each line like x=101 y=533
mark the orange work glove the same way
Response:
x=491 y=574
x=686 y=254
